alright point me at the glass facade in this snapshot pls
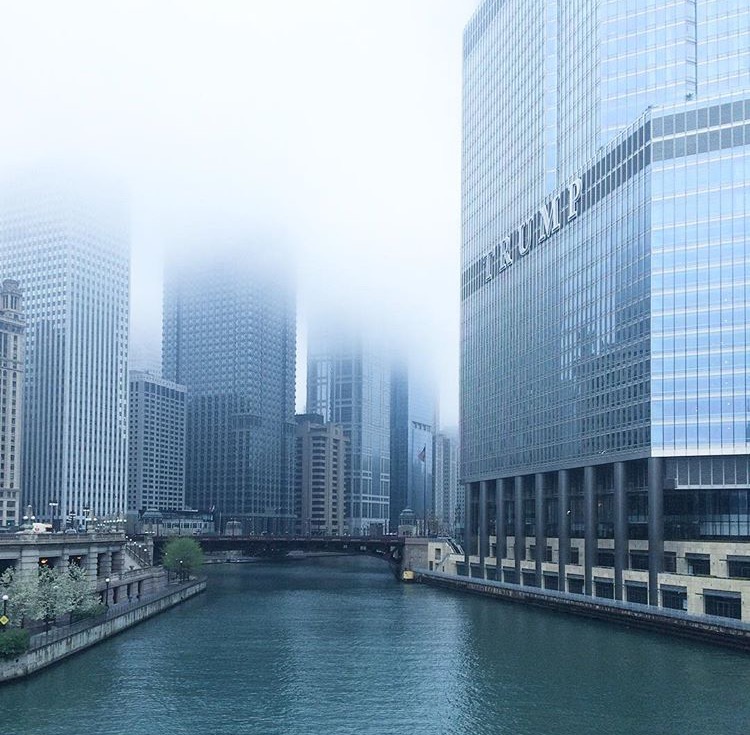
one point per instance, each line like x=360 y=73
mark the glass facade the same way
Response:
x=605 y=316
x=230 y=339
x=348 y=383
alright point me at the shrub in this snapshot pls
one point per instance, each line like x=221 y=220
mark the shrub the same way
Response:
x=13 y=642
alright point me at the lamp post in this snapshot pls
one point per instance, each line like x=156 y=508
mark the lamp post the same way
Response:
x=182 y=572
x=106 y=593
x=5 y=611
x=86 y=513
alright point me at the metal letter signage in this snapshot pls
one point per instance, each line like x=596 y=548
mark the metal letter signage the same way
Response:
x=548 y=219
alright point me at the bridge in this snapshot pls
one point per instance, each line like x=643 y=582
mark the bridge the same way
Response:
x=388 y=548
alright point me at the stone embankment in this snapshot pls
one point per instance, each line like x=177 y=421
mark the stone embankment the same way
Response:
x=59 y=643
x=707 y=628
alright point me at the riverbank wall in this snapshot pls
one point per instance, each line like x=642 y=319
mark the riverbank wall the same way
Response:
x=59 y=643
x=706 y=628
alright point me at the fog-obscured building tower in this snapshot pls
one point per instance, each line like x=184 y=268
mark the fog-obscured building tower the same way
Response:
x=66 y=241
x=319 y=471
x=413 y=418
x=604 y=291
x=348 y=383
x=12 y=344
x=156 y=462
x=447 y=509
x=229 y=337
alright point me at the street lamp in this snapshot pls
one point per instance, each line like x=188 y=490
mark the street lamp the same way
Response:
x=106 y=594
x=5 y=610
x=182 y=572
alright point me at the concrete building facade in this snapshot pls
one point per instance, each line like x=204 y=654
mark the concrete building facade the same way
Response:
x=605 y=427
x=66 y=242
x=319 y=485
x=156 y=452
x=12 y=345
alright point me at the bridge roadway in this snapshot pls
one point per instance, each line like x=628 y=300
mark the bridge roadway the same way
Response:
x=388 y=548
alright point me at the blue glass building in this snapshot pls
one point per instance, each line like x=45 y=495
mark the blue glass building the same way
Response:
x=605 y=274
x=230 y=339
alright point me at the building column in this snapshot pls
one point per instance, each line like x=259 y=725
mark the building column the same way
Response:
x=467 y=526
x=500 y=524
x=519 y=551
x=563 y=527
x=621 y=527
x=655 y=527
x=483 y=530
x=540 y=541
x=589 y=519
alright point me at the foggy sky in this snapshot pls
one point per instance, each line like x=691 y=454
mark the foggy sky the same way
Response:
x=330 y=126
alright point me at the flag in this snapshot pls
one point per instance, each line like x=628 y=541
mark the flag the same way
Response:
x=422 y=456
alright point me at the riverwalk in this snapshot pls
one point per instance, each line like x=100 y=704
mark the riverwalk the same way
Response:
x=49 y=647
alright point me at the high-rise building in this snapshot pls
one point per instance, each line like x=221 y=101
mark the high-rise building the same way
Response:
x=319 y=476
x=413 y=419
x=447 y=509
x=67 y=243
x=604 y=349
x=230 y=338
x=12 y=341
x=156 y=450
x=348 y=383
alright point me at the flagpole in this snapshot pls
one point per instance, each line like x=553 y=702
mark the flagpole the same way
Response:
x=424 y=489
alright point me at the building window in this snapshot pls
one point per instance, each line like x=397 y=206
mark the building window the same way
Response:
x=604 y=588
x=723 y=604
x=510 y=576
x=636 y=593
x=674 y=598
x=639 y=560
x=698 y=565
x=574 y=555
x=575 y=585
x=739 y=567
x=605 y=558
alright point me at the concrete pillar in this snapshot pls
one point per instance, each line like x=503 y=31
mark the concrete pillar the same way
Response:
x=500 y=522
x=468 y=526
x=655 y=527
x=520 y=534
x=563 y=525
x=589 y=519
x=540 y=540
x=105 y=569
x=483 y=530
x=621 y=528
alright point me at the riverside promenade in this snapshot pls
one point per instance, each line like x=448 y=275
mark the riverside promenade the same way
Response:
x=59 y=642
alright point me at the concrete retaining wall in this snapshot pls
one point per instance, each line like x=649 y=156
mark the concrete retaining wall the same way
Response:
x=708 y=628
x=114 y=623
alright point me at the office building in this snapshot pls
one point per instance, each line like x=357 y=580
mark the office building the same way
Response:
x=604 y=288
x=319 y=467
x=229 y=337
x=447 y=488
x=12 y=342
x=156 y=451
x=66 y=242
x=348 y=383
x=413 y=419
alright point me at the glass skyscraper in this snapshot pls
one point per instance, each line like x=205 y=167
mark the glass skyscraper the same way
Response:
x=413 y=419
x=230 y=338
x=348 y=383
x=605 y=275
x=66 y=242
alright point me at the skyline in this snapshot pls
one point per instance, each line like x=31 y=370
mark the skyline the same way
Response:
x=345 y=154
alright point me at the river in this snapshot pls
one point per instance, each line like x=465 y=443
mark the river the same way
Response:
x=338 y=646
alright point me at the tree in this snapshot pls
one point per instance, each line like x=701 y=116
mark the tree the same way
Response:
x=55 y=593
x=82 y=590
x=183 y=555
x=23 y=595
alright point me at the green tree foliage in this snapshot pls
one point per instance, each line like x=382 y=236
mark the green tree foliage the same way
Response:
x=183 y=555
x=13 y=642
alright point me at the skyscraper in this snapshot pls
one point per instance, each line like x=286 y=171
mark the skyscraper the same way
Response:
x=12 y=342
x=319 y=475
x=447 y=502
x=156 y=461
x=348 y=382
x=66 y=242
x=606 y=241
x=413 y=419
x=229 y=337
